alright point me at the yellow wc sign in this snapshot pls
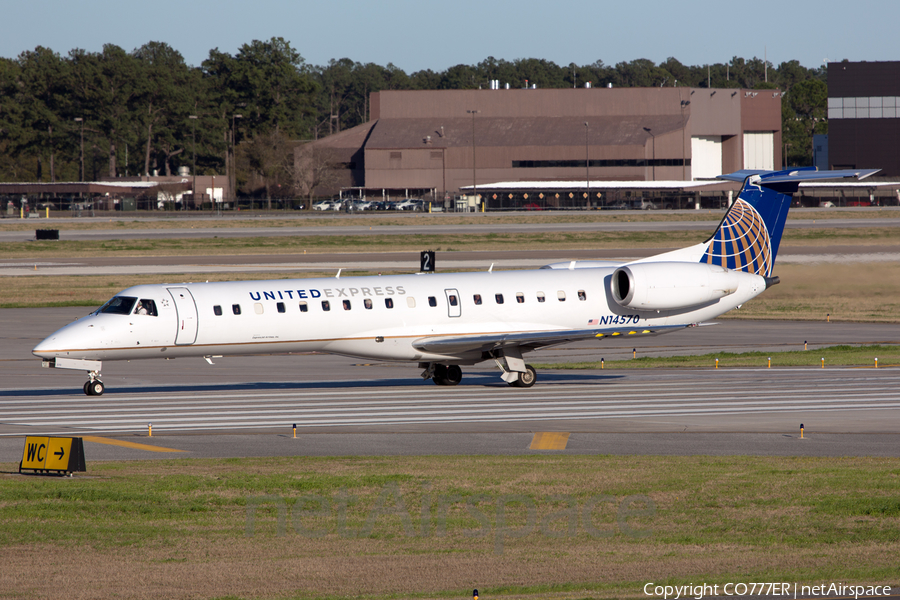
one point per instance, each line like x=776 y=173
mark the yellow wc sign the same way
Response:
x=59 y=454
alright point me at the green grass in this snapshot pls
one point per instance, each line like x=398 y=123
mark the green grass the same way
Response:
x=716 y=519
x=835 y=356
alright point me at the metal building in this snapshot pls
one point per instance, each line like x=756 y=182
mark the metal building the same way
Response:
x=864 y=116
x=437 y=142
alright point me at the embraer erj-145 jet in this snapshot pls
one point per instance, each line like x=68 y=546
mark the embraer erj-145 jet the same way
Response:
x=445 y=321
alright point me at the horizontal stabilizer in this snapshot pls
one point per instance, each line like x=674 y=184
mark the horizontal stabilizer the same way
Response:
x=767 y=178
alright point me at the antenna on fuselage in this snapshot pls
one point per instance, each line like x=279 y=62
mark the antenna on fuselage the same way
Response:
x=338 y=276
x=491 y=270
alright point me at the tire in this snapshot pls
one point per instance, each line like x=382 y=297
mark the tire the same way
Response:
x=453 y=376
x=440 y=375
x=86 y=388
x=526 y=379
x=96 y=387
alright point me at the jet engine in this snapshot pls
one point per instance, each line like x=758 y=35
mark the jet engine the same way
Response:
x=672 y=285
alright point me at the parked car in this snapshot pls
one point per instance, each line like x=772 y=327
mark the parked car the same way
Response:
x=410 y=204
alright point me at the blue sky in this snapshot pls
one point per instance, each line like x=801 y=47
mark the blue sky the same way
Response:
x=430 y=34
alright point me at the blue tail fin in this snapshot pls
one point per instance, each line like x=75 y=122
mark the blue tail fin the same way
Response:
x=748 y=237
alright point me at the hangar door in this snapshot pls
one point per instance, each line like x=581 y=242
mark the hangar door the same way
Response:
x=759 y=150
x=706 y=156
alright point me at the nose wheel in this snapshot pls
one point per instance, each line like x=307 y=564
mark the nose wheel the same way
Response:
x=94 y=387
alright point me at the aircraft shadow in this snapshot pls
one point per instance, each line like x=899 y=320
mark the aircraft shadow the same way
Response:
x=470 y=380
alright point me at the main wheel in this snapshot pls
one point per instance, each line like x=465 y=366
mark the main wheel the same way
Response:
x=86 y=388
x=453 y=376
x=440 y=375
x=526 y=379
x=95 y=387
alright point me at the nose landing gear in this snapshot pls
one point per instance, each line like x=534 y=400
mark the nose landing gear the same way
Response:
x=94 y=387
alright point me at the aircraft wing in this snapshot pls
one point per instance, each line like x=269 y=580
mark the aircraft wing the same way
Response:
x=460 y=344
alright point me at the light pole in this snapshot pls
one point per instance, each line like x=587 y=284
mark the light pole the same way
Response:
x=193 y=119
x=81 y=120
x=684 y=103
x=587 y=163
x=232 y=182
x=474 y=182
x=647 y=129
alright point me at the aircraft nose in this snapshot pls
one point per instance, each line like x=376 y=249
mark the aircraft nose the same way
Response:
x=49 y=347
x=62 y=341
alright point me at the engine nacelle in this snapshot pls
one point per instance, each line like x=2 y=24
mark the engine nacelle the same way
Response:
x=672 y=285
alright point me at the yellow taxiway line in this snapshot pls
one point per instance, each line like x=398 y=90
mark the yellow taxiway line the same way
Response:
x=134 y=445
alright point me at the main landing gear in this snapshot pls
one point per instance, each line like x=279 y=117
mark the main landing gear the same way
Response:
x=447 y=374
x=515 y=372
x=526 y=379
x=452 y=374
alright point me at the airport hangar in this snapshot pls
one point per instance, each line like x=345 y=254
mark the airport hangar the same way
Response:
x=439 y=144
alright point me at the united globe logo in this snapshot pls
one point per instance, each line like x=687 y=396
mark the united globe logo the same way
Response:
x=742 y=242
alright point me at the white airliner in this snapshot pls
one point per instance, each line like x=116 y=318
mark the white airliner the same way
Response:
x=444 y=321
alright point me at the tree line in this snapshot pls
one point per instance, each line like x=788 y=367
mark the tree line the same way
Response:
x=147 y=111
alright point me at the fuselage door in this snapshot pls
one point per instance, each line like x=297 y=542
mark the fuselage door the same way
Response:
x=187 y=315
x=454 y=306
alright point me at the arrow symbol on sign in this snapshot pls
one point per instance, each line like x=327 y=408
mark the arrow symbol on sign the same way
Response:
x=60 y=453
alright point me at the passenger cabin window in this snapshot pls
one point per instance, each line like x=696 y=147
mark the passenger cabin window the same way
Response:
x=540 y=297
x=304 y=307
x=411 y=302
x=389 y=303
x=477 y=298
x=326 y=305
x=367 y=303
x=118 y=305
x=346 y=305
x=280 y=306
x=498 y=298
x=582 y=295
x=520 y=298
x=561 y=295
x=145 y=307
x=432 y=301
x=217 y=310
x=258 y=308
x=236 y=309
x=453 y=300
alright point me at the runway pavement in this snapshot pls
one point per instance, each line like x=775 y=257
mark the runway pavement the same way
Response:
x=246 y=406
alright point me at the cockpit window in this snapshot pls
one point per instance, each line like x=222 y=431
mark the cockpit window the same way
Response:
x=146 y=307
x=119 y=305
